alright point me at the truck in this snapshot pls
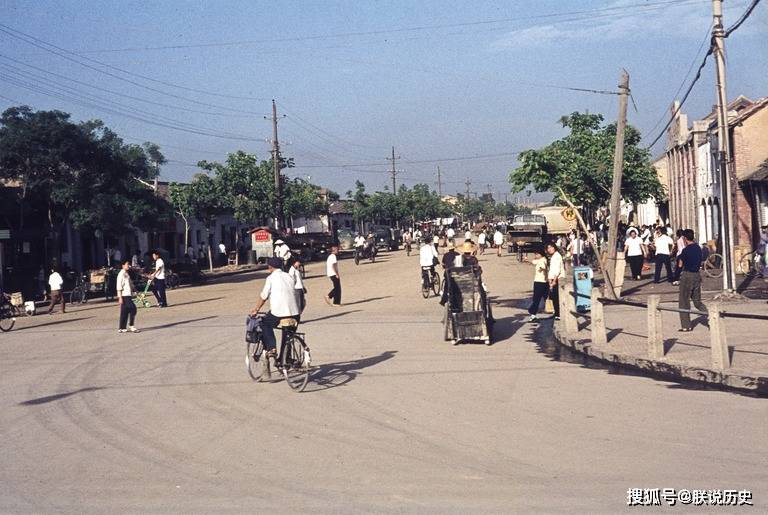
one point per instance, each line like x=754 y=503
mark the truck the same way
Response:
x=556 y=222
x=526 y=233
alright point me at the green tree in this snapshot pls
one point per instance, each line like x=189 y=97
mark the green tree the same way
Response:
x=582 y=164
x=180 y=198
x=207 y=204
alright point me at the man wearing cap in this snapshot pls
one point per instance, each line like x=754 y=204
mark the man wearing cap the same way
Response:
x=283 y=252
x=279 y=290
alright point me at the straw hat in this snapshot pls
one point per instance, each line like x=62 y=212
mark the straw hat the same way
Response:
x=467 y=248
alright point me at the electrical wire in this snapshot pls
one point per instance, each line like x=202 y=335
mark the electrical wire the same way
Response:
x=742 y=18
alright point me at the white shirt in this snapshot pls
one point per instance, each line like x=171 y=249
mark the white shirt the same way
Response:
x=222 y=248
x=435 y=239
x=498 y=238
x=359 y=241
x=634 y=246
x=295 y=274
x=663 y=244
x=278 y=288
x=427 y=253
x=450 y=232
x=124 y=287
x=540 y=267
x=282 y=251
x=329 y=263
x=481 y=238
x=159 y=269
x=680 y=245
x=555 y=267
x=55 y=281
x=468 y=235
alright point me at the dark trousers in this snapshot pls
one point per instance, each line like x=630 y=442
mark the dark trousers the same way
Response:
x=554 y=295
x=540 y=291
x=127 y=312
x=690 y=290
x=636 y=265
x=56 y=296
x=335 y=293
x=268 y=324
x=663 y=260
x=159 y=292
x=426 y=279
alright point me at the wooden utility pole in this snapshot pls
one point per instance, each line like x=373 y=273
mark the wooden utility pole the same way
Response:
x=618 y=168
x=276 y=167
x=393 y=171
x=723 y=147
x=439 y=183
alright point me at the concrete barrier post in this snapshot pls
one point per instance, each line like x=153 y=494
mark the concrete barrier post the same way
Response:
x=718 y=341
x=655 y=335
x=597 y=321
x=571 y=323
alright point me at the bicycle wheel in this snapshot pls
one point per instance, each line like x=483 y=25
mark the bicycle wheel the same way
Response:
x=435 y=283
x=7 y=320
x=713 y=266
x=254 y=361
x=294 y=362
x=747 y=265
x=357 y=258
x=76 y=296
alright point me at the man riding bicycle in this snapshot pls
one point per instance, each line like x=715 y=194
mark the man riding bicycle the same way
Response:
x=283 y=252
x=359 y=244
x=279 y=290
x=428 y=258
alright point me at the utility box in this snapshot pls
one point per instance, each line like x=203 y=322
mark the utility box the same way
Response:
x=582 y=287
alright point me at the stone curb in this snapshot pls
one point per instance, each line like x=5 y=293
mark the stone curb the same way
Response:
x=739 y=382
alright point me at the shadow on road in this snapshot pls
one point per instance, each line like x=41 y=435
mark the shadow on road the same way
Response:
x=505 y=328
x=56 y=322
x=195 y=302
x=174 y=324
x=58 y=396
x=366 y=300
x=331 y=375
x=335 y=315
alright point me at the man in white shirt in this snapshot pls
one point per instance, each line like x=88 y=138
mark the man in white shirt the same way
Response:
x=283 y=251
x=125 y=290
x=279 y=290
x=427 y=258
x=555 y=274
x=298 y=283
x=468 y=235
x=418 y=235
x=663 y=245
x=450 y=234
x=158 y=276
x=332 y=272
x=498 y=240
x=360 y=245
x=55 y=281
x=481 y=242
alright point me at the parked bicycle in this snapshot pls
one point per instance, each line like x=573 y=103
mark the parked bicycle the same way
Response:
x=713 y=265
x=434 y=284
x=7 y=313
x=79 y=293
x=751 y=264
x=293 y=360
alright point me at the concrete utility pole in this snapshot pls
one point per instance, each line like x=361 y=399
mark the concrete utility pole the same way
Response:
x=723 y=148
x=276 y=166
x=468 y=184
x=439 y=183
x=394 y=170
x=618 y=168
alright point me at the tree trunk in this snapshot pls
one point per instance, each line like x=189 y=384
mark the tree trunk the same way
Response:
x=237 y=246
x=210 y=255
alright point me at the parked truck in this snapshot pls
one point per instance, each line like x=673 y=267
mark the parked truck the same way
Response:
x=526 y=233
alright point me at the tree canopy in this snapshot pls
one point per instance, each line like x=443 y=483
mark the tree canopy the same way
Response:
x=582 y=164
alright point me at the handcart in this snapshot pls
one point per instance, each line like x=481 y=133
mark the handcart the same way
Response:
x=141 y=298
x=467 y=311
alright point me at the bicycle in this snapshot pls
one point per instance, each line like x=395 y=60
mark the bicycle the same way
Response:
x=7 y=313
x=79 y=294
x=292 y=361
x=751 y=264
x=713 y=265
x=172 y=280
x=434 y=284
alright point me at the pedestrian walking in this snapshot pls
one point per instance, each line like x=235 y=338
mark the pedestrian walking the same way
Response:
x=635 y=253
x=555 y=274
x=54 y=282
x=298 y=283
x=222 y=254
x=468 y=235
x=540 y=284
x=125 y=291
x=481 y=242
x=332 y=271
x=158 y=276
x=663 y=245
x=689 y=262
x=498 y=240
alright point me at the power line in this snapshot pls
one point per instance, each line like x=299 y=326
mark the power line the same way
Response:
x=61 y=52
x=742 y=19
x=419 y=28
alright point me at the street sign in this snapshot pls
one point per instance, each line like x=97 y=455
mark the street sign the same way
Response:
x=569 y=214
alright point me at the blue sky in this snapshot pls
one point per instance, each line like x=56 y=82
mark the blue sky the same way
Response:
x=439 y=80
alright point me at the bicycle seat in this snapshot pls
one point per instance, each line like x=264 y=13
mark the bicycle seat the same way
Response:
x=287 y=323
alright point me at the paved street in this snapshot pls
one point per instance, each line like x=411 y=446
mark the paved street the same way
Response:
x=394 y=419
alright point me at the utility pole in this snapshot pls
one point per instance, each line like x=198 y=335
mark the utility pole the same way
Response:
x=618 y=166
x=276 y=167
x=394 y=170
x=723 y=147
x=468 y=184
x=439 y=183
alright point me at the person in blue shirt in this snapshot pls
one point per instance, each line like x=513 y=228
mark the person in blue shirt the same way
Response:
x=689 y=264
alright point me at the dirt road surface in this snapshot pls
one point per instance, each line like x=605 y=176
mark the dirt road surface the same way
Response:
x=394 y=419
